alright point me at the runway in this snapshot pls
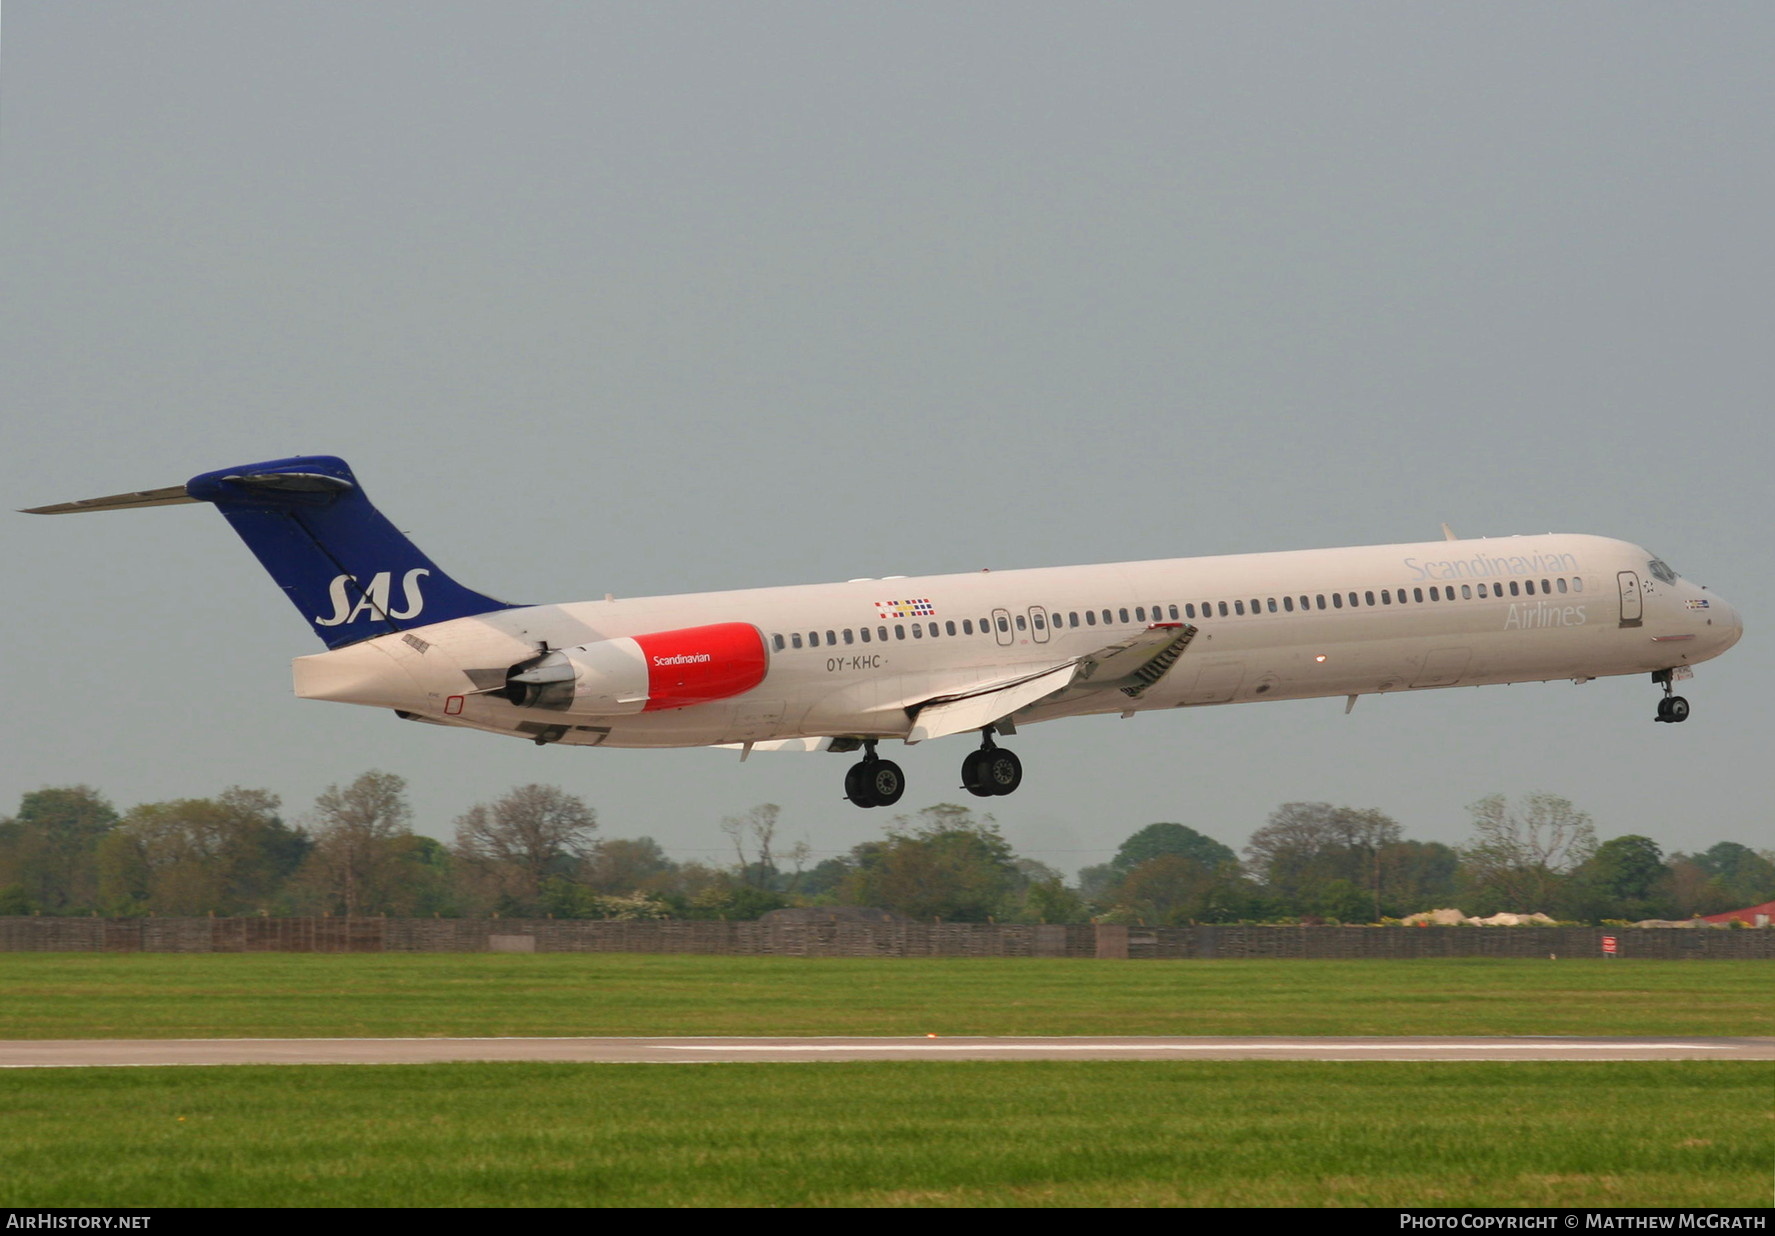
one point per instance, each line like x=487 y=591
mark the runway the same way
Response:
x=114 y=1053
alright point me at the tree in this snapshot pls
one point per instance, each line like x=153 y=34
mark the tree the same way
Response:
x=628 y=865
x=757 y=828
x=1519 y=857
x=224 y=855
x=1621 y=879
x=1173 y=889
x=1307 y=848
x=1157 y=839
x=1745 y=877
x=49 y=850
x=357 y=862
x=521 y=841
x=942 y=863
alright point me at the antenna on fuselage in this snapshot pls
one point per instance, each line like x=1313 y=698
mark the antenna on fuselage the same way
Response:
x=1448 y=533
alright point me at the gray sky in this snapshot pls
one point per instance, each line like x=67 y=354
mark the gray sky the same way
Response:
x=656 y=298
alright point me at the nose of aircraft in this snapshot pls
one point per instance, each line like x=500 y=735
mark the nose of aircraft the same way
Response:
x=1728 y=628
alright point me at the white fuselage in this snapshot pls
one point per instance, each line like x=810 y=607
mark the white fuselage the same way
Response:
x=858 y=659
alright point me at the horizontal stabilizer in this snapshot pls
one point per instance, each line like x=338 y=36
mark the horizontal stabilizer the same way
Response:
x=170 y=496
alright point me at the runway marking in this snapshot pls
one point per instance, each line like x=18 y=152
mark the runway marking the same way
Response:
x=128 y=1053
x=1291 y=1045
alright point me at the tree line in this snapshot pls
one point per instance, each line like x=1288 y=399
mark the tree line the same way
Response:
x=536 y=852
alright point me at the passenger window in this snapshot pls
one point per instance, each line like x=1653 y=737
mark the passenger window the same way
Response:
x=1353 y=601
x=917 y=631
x=847 y=636
x=1320 y=600
x=1002 y=624
x=1223 y=609
x=1337 y=600
x=1368 y=597
x=1037 y=619
x=1386 y=596
x=1106 y=618
x=933 y=630
x=1466 y=592
x=1123 y=613
x=899 y=630
x=1561 y=583
x=1090 y=617
x=967 y=626
x=778 y=641
x=1515 y=589
x=1238 y=607
x=865 y=634
x=1189 y=610
x=1022 y=623
x=1288 y=604
x=1072 y=618
x=881 y=633
x=1417 y=594
x=831 y=637
x=1577 y=583
x=1546 y=586
x=950 y=626
x=795 y=637
x=813 y=639
x=1272 y=604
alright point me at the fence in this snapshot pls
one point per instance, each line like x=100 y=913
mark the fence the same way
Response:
x=861 y=939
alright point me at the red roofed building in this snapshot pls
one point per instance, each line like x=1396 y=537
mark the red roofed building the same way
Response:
x=1756 y=916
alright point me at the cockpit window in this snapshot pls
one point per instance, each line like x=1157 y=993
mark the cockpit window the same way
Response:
x=1661 y=571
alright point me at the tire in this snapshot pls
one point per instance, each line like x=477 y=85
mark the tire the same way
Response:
x=1002 y=771
x=886 y=783
x=973 y=774
x=856 y=785
x=1678 y=710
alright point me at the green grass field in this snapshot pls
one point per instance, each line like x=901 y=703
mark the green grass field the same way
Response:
x=880 y=1134
x=910 y=1134
x=145 y=995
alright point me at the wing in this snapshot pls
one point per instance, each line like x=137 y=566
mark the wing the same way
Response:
x=1130 y=666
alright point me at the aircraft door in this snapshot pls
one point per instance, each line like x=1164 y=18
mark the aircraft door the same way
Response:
x=1001 y=628
x=1632 y=608
x=1038 y=624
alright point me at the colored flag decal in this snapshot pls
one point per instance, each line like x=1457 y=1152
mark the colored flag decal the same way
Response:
x=919 y=607
x=1698 y=604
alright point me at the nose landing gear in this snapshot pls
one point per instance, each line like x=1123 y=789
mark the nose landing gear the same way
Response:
x=1672 y=708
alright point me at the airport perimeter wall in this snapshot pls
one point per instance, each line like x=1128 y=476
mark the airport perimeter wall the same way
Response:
x=862 y=939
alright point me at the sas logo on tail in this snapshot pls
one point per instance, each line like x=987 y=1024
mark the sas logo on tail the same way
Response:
x=373 y=598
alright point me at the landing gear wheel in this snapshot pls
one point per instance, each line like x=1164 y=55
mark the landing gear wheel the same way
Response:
x=1002 y=771
x=1673 y=708
x=856 y=784
x=973 y=774
x=886 y=782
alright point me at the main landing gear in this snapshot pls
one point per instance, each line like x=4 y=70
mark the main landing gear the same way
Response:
x=1671 y=708
x=991 y=770
x=872 y=781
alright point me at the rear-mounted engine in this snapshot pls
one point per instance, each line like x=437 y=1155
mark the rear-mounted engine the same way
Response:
x=643 y=673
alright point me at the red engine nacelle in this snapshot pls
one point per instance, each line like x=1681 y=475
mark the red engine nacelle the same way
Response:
x=697 y=665
x=644 y=673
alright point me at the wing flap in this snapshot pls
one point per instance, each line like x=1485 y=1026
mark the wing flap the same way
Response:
x=978 y=709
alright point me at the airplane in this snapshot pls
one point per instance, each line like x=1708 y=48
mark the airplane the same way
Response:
x=844 y=667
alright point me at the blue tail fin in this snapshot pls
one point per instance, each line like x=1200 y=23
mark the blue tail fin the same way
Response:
x=351 y=572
